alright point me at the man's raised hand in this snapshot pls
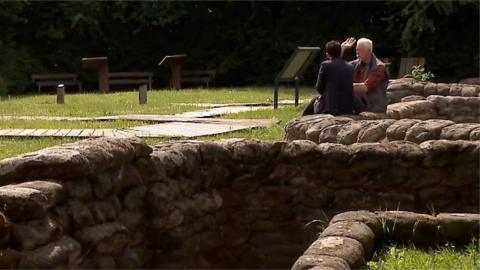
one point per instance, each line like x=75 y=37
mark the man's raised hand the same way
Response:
x=348 y=43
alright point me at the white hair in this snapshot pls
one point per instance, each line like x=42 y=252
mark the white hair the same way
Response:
x=367 y=42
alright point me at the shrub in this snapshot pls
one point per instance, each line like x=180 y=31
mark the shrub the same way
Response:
x=421 y=75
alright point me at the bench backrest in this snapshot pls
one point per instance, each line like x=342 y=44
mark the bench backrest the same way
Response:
x=53 y=77
x=114 y=75
x=199 y=73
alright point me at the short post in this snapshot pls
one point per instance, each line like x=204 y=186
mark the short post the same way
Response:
x=296 y=90
x=142 y=94
x=60 y=94
x=275 y=95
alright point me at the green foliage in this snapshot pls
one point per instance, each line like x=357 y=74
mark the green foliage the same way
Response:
x=247 y=42
x=421 y=75
x=16 y=65
x=413 y=258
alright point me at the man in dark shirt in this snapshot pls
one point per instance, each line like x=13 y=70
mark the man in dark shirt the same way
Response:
x=334 y=84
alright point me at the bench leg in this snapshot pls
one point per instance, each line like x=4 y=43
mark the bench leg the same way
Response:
x=80 y=89
x=39 y=88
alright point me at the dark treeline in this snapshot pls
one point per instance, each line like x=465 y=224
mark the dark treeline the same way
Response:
x=247 y=42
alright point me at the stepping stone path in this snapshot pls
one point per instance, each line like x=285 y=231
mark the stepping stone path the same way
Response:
x=187 y=124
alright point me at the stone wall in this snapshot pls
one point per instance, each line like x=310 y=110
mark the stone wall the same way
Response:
x=117 y=203
x=449 y=118
x=347 y=131
x=398 y=89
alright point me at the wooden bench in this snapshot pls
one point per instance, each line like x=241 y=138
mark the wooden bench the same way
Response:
x=199 y=76
x=131 y=78
x=48 y=79
x=406 y=65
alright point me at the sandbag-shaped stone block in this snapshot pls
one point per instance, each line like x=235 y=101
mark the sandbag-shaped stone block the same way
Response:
x=355 y=230
x=458 y=228
x=9 y=258
x=398 y=130
x=374 y=132
x=405 y=153
x=469 y=91
x=430 y=89
x=314 y=131
x=331 y=155
x=79 y=213
x=130 y=219
x=455 y=90
x=419 y=87
x=442 y=152
x=295 y=150
x=5 y=228
x=443 y=89
x=34 y=233
x=131 y=258
x=104 y=211
x=135 y=197
x=329 y=134
x=64 y=253
x=348 y=134
x=405 y=226
x=53 y=190
x=248 y=151
x=102 y=185
x=368 y=218
x=79 y=189
x=426 y=130
x=412 y=98
x=370 y=155
x=458 y=131
x=306 y=262
x=474 y=134
x=107 y=238
x=345 y=248
x=86 y=157
x=21 y=203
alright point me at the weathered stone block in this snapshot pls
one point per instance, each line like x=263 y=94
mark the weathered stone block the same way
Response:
x=345 y=248
x=34 y=233
x=107 y=238
x=64 y=253
x=405 y=226
x=457 y=228
x=79 y=214
x=21 y=203
x=355 y=230
x=5 y=228
x=324 y=262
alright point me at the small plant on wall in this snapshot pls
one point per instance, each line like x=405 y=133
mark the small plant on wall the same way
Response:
x=421 y=75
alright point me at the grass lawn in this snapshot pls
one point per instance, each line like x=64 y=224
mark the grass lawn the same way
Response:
x=159 y=102
x=412 y=258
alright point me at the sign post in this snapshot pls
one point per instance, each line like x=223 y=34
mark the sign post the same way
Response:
x=293 y=70
x=101 y=65
x=175 y=63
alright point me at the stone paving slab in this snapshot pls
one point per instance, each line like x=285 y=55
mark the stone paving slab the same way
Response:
x=187 y=124
x=167 y=129
x=215 y=105
x=212 y=112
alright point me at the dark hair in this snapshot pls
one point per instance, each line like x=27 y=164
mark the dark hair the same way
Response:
x=333 y=48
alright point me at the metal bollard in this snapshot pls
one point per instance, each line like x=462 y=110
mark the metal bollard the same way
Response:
x=60 y=94
x=142 y=94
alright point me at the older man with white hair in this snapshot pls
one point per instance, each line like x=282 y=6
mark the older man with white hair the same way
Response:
x=370 y=75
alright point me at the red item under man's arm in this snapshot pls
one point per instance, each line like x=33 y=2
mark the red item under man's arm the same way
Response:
x=375 y=78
